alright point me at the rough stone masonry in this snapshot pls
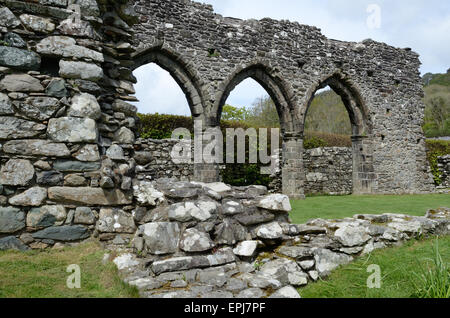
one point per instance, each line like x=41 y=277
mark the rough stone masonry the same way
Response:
x=68 y=158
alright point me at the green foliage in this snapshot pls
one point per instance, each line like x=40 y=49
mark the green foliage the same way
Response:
x=435 y=149
x=231 y=113
x=263 y=113
x=157 y=126
x=433 y=282
x=437 y=111
x=437 y=79
x=328 y=114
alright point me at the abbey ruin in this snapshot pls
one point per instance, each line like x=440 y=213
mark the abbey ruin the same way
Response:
x=73 y=168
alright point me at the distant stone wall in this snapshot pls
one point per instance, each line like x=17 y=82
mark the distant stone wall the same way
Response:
x=153 y=159
x=329 y=171
x=444 y=168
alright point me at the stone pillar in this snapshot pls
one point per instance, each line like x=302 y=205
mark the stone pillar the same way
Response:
x=293 y=174
x=364 y=177
x=204 y=171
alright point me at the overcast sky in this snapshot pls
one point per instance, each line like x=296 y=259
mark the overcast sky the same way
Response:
x=421 y=25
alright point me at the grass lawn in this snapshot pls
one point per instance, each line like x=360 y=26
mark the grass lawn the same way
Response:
x=338 y=207
x=42 y=274
x=397 y=264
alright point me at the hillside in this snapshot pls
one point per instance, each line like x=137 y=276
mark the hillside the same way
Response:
x=437 y=101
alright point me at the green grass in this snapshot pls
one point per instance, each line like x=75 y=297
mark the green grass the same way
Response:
x=338 y=207
x=401 y=271
x=42 y=274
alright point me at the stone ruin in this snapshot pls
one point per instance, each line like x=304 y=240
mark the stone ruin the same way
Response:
x=71 y=169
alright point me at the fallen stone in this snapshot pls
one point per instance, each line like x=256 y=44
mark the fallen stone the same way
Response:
x=270 y=231
x=251 y=293
x=221 y=257
x=286 y=292
x=299 y=253
x=327 y=261
x=275 y=202
x=246 y=248
x=351 y=236
x=126 y=261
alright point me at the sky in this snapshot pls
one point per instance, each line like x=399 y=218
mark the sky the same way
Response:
x=421 y=25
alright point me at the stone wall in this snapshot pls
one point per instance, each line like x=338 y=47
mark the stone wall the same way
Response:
x=444 y=169
x=211 y=240
x=208 y=55
x=66 y=129
x=154 y=161
x=329 y=171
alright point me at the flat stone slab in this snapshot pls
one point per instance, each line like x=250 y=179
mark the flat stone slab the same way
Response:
x=88 y=196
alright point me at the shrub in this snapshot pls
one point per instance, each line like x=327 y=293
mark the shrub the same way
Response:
x=435 y=149
x=318 y=139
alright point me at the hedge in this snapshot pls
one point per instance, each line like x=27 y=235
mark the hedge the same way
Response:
x=435 y=149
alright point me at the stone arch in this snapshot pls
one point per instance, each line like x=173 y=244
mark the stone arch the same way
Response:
x=354 y=103
x=273 y=84
x=363 y=169
x=180 y=72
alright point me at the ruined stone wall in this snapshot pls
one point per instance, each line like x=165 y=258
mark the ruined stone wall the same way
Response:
x=329 y=171
x=66 y=129
x=444 y=169
x=154 y=161
x=208 y=55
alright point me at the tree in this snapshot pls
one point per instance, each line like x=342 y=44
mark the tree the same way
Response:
x=233 y=113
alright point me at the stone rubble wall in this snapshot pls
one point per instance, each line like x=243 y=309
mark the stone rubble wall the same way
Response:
x=154 y=161
x=211 y=240
x=444 y=169
x=328 y=170
x=66 y=127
